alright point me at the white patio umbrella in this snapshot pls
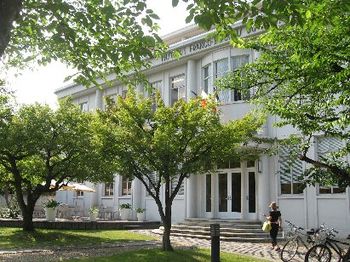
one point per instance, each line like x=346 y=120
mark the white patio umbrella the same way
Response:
x=71 y=186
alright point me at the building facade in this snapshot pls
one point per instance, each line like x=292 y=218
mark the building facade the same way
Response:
x=239 y=189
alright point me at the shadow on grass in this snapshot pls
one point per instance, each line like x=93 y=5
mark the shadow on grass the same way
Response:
x=15 y=238
x=152 y=255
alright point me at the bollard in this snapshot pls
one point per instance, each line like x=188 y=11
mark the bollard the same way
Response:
x=215 y=242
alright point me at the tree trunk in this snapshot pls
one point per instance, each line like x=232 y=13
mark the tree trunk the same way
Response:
x=166 y=234
x=27 y=214
x=167 y=218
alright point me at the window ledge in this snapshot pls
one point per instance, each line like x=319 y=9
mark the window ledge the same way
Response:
x=126 y=197
x=107 y=197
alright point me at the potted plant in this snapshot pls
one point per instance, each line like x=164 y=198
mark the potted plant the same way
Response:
x=125 y=211
x=140 y=213
x=51 y=209
x=93 y=212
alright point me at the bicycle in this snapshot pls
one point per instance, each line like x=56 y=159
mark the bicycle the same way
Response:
x=296 y=240
x=322 y=252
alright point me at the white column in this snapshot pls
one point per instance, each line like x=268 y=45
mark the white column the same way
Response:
x=191 y=77
x=263 y=186
x=137 y=194
x=98 y=99
x=244 y=193
x=214 y=196
x=191 y=204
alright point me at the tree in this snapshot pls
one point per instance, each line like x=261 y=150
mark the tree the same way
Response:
x=161 y=145
x=39 y=146
x=303 y=72
x=97 y=38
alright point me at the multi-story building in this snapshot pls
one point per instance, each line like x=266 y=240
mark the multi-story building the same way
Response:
x=239 y=189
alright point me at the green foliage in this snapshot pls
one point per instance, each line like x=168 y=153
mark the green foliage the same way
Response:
x=40 y=145
x=302 y=74
x=162 y=145
x=188 y=255
x=15 y=238
x=140 y=210
x=12 y=211
x=94 y=37
x=125 y=206
x=51 y=204
x=93 y=210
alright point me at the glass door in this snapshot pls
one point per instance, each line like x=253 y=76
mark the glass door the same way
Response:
x=229 y=197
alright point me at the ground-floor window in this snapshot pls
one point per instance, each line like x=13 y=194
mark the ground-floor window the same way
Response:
x=126 y=186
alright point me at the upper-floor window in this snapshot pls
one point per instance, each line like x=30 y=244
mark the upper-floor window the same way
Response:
x=221 y=69
x=156 y=86
x=177 y=88
x=206 y=79
x=108 y=189
x=326 y=146
x=80 y=193
x=290 y=172
x=84 y=107
x=112 y=98
x=237 y=62
x=126 y=186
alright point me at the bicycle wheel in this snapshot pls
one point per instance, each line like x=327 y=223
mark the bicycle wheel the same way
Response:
x=319 y=253
x=289 y=250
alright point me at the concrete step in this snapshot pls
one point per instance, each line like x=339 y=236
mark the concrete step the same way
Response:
x=240 y=231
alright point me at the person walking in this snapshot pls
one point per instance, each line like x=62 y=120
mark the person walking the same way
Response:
x=276 y=224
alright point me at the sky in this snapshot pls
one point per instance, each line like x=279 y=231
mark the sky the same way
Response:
x=39 y=85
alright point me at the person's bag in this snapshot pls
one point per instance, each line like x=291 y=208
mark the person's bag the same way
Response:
x=266 y=226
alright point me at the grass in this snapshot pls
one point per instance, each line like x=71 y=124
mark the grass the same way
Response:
x=11 y=238
x=152 y=255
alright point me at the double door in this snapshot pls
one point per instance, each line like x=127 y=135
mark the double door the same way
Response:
x=234 y=197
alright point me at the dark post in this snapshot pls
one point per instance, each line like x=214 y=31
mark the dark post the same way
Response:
x=215 y=242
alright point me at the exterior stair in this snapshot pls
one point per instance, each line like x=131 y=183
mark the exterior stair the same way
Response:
x=230 y=230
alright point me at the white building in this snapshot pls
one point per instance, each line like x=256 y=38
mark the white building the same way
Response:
x=239 y=190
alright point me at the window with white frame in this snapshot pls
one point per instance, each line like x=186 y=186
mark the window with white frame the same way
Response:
x=108 y=189
x=112 y=98
x=84 y=107
x=174 y=181
x=326 y=146
x=126 y=186
x=290 y=171
x=153 y=178
x=220 y=70
x=237 y=62
x=80 y=193
x=177 y=88
x=156 y=86
x=124 y=93
x=206 y=78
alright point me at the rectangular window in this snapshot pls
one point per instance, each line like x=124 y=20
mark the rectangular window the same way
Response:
x=124 y=93
x=223 y=192
x=327 y=146
x=108 y=189
x=208 y=193
x=80 y=193
x=177 y=88
x=206 y=78
x=126 y=186
x=220 y=70
x=156 y=86
x=237 y=62
x=84 y=107
x=153 y=178
x=174 y=183
x=290 y=171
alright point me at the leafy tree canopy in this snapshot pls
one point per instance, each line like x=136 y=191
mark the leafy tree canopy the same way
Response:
x=39 y=146
x=302 y=74
x=95 y=37
x=162 y=145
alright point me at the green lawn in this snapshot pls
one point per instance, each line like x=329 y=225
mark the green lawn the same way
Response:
x=176 y=256
x=11 y=238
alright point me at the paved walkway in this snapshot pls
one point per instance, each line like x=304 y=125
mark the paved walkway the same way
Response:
x=258 y=250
